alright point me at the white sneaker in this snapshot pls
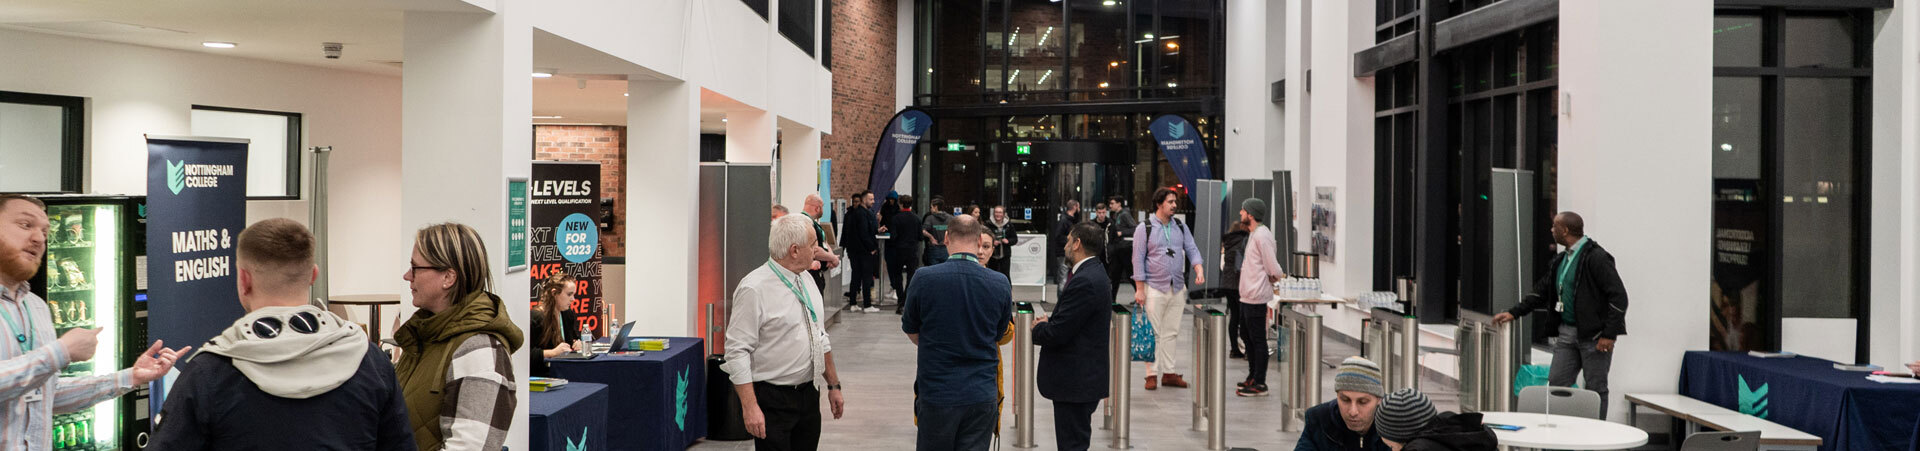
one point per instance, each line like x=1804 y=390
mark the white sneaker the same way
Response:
x=853 y=307
x=871 y=310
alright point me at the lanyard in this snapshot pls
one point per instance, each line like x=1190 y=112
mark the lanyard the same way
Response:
x=967 y=257
x=20 y=334
x=801 y=294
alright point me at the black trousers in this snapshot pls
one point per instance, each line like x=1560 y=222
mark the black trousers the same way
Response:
x=901 y=263
x=1253 y=330
x=1073 y=424
x=864 y=269
x=793 y=417
x=955 y=428
x=1233 y=322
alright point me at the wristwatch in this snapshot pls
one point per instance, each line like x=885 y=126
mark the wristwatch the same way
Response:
x=832 y=387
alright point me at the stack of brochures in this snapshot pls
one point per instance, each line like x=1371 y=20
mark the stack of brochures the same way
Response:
x=652 y=344
x=546 y=383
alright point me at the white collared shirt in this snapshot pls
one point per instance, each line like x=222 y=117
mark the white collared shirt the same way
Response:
x=1076 y=266
x=770 y=334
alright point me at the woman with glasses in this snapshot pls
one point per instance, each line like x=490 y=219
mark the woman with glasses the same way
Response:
x=454 y=367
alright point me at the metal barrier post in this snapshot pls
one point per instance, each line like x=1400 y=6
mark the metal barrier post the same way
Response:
x=1120 y=370
x=1216 y=378
x=1489 y=358
x=1409 y=352
x=1393 y=342
x=1201 y=336
x=1301 y=360
x=1023 y=381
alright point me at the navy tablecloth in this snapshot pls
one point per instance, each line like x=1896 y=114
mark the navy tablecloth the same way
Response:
x=658 y=400
x=569 y=419
x=1845 y=409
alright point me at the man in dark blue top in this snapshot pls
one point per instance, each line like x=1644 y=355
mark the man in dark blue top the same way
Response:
x=956 y=312
x=1073 y=342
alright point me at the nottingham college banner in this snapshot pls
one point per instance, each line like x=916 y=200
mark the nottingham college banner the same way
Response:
x=565 y=236
x=196 y=206
x=1181 y=143
x=895 y=147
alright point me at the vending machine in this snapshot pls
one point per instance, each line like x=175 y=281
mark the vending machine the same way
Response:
x=94 y=276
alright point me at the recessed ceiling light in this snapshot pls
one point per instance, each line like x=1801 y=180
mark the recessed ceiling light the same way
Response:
x=626 y=94
x=546 y=117
x=723 y=119
x=219 y=45
x=542 y=72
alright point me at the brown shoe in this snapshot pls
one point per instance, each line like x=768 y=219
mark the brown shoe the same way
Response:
x=1173 y=380
x=1152 y=383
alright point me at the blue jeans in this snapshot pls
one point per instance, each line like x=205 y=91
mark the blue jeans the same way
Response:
x=956 y=428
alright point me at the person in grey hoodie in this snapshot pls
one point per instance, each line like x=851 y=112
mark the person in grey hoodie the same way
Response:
x=288 y=374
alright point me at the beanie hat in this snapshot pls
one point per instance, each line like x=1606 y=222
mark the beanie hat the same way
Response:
x=1256 y=207
x=1403 y=415
x=1357 y=374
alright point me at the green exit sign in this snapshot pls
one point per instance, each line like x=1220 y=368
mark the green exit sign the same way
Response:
x=1023 y=148
x=955 y=146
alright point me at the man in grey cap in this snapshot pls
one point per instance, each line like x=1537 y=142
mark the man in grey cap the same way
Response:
x=1407 y=421
x=1346 y=423
x=1259 y=269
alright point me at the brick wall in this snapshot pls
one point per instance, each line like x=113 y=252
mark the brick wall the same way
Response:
x=864 y=53
x=604 y=144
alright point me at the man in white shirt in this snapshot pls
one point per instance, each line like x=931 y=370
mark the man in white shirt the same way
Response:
x=778 y=357
x=31 y=388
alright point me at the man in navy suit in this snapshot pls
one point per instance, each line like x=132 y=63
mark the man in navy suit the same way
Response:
x=1073 y=342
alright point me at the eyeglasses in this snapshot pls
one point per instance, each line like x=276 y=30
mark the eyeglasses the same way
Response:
x=270 y=327
x=417 y=268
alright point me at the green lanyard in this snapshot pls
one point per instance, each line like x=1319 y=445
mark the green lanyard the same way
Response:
x=21 y=335
x=967 y=257
x=806 y=302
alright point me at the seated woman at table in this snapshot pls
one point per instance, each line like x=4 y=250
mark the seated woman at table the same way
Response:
x=1407 y=422
x=454 y=370
x=556 y=330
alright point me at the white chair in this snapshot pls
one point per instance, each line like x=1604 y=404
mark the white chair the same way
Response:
x=1722 y=441
x=1565 y=401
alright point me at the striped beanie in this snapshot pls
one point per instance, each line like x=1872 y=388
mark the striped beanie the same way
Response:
x=1357 y=374
x=1403 y=415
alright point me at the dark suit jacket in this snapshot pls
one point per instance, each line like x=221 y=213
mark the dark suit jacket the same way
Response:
x=1599 y=298
x=1073 y=341
x=857 y=233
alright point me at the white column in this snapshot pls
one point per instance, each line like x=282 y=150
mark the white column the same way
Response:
x=1247 y=99
x=799 y=164
x=663 y=149
x=465 y=97
x=1340 y=143
x=1634 y=162
x=1296 y=123
x=1895 y=255
x=749 y=136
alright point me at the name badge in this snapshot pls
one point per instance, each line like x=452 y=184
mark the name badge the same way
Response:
x=32 y=397
x=1560 y=306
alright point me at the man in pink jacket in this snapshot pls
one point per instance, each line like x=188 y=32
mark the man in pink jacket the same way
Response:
x=1259 y=269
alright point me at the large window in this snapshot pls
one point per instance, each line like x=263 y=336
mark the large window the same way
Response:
x=797 y=23
x=1053 y=51
x=1791 y=120
x=40 y=142
x=273 y=149
x=1443 y=122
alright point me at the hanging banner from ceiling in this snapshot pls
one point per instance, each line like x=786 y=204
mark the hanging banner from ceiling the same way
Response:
x=896 y=145
x=1180 y=141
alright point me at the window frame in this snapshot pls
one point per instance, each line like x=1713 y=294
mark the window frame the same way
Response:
x=295 y=143
x=72 y=136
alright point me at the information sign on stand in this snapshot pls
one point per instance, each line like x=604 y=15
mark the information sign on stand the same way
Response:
x=1027 y=264
x=516 y=224
x=197 y=199
x=563 y=206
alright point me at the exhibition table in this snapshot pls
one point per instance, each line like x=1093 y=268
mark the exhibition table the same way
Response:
x=659 y=397
x=571 y=418
x=1808 y=394
x=1547 y=431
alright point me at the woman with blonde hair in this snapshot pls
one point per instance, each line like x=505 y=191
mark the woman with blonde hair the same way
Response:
x=454 y=369
x=556 y=330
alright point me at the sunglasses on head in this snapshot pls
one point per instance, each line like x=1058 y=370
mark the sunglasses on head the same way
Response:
x=271 y=327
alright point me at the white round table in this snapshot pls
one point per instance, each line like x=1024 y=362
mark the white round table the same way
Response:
x=1566 y=432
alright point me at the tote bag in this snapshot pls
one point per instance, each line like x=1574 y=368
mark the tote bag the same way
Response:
x=1143 y=339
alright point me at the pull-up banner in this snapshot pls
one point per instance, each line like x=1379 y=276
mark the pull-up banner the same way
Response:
x=895 y=147
x=565 y=234
x=196 y=207
x=1181 y=143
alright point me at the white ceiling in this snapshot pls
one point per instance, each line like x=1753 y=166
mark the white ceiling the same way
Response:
x=291 y=31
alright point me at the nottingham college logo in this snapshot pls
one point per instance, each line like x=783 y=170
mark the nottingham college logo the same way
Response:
x=910 y=124
x=582 y=446
x=680 y=401
x=1177 y=130
x=176 y=176
x=1753 y=401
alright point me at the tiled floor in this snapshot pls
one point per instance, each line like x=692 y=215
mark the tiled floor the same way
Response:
x=876 y=364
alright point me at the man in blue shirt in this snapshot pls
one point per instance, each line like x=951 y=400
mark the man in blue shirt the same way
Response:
x=1163 y=249
x=956 y=312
